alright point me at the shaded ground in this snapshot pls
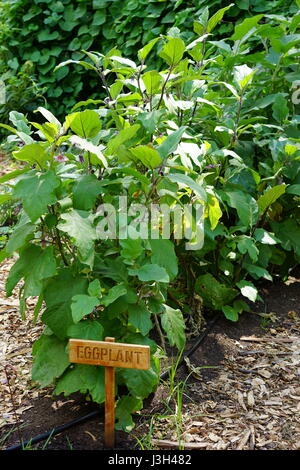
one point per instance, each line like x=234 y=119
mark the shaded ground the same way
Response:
x=241 y=389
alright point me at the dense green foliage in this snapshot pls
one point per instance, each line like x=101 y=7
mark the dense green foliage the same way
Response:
x=41 y=34
x=216 y=125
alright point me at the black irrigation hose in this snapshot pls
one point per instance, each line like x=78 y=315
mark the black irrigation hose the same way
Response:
x=99 y=412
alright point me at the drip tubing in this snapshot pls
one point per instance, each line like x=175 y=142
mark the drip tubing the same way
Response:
x=100 y=411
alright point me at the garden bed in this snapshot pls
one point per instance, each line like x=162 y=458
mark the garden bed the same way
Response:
x=243 y=392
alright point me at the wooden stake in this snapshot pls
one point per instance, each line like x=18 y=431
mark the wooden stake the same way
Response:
x=109 y=431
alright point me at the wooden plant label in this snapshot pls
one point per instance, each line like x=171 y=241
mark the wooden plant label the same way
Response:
x=110 y=355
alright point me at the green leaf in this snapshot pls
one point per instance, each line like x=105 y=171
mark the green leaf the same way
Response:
x=269 y=197
x=291 y=189
x=173 y=324
x=140 y=383
x=58 y=298
x=247 y=245
x=171 y=143
x=4 y=198
x=123 y=136
x=245 y=206
x=19 y=121
x=131 y=249
x=34 y=265
x=288 y=232
x=150 y=272
x=140 y=317
x=214 y=294
x=243 y=75
x=49 y=116
x=85 y=124
x=94 y=288
x=49 y=359
x=126 y=405
x=78 y=225
x=113 y=294
x=76 y=62
x=280 y=108
x=37 y=192
x=12 y=175
x=245 y=26
x=264 y=237
x=33 y=153
x=188 y=183
x=248 y=290
x=21 y=234
x=86 y=191
x=216 y=18
x=146 y=154
x=86 y=329
x=83 y=305
x=152 y=81
x=172 y=52
x=214 y=210
x=230 y=313
x=96 y=157
x=163 y=254
x=257 y=271
x=142 y=53
x=83 y=378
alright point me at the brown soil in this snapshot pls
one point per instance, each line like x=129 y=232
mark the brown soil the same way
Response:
x=250 y=399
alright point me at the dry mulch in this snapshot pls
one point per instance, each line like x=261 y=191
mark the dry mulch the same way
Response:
x=242 y=389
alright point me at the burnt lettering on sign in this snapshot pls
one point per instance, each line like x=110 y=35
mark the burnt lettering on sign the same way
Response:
x=87 y=352
x=109 y=354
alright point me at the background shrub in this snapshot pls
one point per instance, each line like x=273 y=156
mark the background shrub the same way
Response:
x=41 y=34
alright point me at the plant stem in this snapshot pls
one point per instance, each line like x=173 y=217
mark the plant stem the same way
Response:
x=162 y=339
x=164 y=87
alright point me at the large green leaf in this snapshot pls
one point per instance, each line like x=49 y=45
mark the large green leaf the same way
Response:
x=140 y=383
x=87 y=329
x=187 y=182
x=150 y=272
x=78 y=225
x=173 y=51
x=58 y=298
x=245 y=206
x=248 y=290
x=123 y=136
x=216 y=18
x=86 y=191
x=82 y=305
x=50 y=359
x=152 y=81
x=214 y=294
x=171 y=143
x=33 y=153
x=146 y=154
x=83 y=378
x=126 y=405
x=21 y=234
x=173 y=323
x=95 y=154
x=140 y=317
x=270 y=196
x=113 y=294
x=34 y=265
x=85 y=124
x=37 y=192
x=163 y=254
x=288 y=232
x=245 y=27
